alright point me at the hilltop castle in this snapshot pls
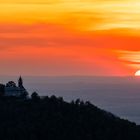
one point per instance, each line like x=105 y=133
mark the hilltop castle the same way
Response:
x=11 y=89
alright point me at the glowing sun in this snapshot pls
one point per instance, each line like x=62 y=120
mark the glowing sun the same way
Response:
x=137 y=73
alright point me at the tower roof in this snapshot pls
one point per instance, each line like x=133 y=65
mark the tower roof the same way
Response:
x=20 y=82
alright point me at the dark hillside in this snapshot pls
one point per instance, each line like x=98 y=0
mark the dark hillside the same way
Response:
x=52 y=118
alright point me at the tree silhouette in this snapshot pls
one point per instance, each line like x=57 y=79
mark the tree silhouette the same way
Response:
x=2 y=89
x=35 y=96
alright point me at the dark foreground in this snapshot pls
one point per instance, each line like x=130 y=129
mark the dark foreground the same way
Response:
x=51 y=118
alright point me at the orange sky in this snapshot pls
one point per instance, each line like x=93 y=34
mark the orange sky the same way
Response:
x=69 y=37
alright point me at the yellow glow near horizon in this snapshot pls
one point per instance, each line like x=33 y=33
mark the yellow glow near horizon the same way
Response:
x=130 y=58
x=137 y=73
x=80 y=14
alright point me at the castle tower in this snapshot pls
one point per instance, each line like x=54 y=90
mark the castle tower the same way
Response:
x=20 y=82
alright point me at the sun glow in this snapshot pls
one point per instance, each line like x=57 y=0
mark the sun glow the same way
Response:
x=137 y=73
x=70 y=37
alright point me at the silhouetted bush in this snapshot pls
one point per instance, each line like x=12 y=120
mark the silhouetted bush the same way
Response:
x=35 y=96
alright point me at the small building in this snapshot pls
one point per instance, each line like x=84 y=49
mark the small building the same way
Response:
x=11 y=89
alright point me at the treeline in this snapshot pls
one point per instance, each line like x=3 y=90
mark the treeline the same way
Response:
x=51 y=118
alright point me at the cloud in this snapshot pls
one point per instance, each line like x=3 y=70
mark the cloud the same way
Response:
x=39 y=35
x=55 y=49
x=85 y=15
x=131 y=58
x=54 y=35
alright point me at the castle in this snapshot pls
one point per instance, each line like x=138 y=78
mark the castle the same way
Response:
x=11 y=89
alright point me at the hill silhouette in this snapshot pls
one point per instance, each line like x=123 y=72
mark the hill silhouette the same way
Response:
x=51 y=118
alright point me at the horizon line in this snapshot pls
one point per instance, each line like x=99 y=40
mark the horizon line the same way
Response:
x=67 y=75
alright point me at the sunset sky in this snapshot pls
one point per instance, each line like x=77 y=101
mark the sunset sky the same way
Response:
x=69 y=37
